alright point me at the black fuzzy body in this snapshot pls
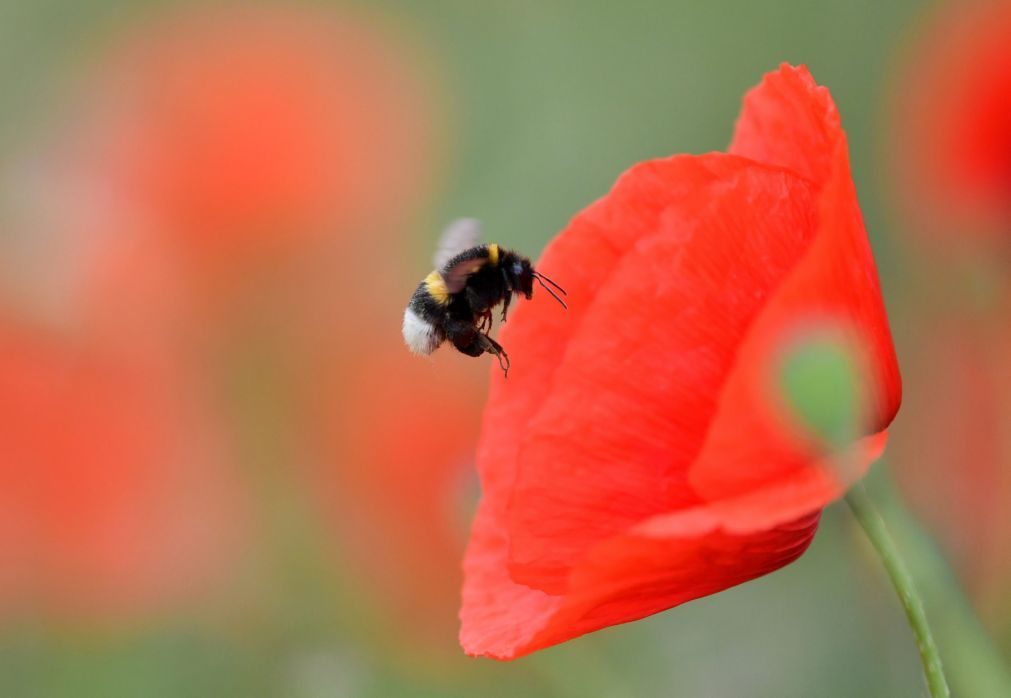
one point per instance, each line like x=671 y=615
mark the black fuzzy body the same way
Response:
x=473 y=283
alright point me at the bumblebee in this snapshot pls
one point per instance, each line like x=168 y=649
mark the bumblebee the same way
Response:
x=455 y=301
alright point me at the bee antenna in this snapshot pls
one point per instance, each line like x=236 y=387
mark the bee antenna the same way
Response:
x=549 y=290
x=541 y=276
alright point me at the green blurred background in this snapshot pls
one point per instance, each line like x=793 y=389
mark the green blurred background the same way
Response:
x=538 y=107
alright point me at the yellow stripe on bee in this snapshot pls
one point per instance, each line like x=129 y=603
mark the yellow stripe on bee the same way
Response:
x=493 y=254
x=436 y=287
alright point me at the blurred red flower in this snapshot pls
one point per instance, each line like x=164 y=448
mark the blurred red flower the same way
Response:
x=639 y=455
x=211 y=145
x=952 y=449
x=248 y=133
x=399 y=435
x=952 y=121
x=115 y=490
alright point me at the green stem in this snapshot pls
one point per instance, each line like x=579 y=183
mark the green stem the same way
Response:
x=974 y=666
x=874 y=526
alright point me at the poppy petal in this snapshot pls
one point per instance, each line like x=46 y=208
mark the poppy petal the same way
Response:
x=835 y=284
x=790 y=121
x=626 y=578
x=634 y=395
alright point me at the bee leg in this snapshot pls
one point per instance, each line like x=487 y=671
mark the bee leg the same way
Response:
x=467 y=340
x=486 y=322
x=495 y=348
x=471 y=346
x=505 y=304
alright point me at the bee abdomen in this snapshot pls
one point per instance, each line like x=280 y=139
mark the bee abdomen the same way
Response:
x=421 y=334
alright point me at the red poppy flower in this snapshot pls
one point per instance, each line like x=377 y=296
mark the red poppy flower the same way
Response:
x=639 y=455
x=395 y=438
x=399 y=437
x=952 y=454
x=115 y=491
x=246 y=133
x=953 y=120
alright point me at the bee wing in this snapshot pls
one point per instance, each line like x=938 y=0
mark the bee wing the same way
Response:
x=460 y=235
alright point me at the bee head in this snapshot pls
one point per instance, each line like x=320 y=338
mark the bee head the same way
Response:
x=523 y=275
